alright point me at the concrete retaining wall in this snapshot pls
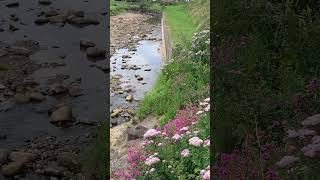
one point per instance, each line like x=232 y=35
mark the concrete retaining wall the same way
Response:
x=167 y=43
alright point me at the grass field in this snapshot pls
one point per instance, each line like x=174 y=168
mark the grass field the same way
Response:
x=180 y=22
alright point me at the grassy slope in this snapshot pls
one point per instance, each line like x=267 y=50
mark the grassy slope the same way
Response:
x=180 y=22
x=182 y=81
x=118 y=7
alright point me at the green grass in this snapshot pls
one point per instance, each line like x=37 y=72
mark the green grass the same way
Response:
x=118 y=7
x=96 y=159
x=181 y=82
x=180 y=23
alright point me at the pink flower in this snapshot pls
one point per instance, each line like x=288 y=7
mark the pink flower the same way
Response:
x=207 y=100
x=199 y=112
x=207 y=108
x=151 y=160
x=206 y=143
x=160 y=144
x=176 y=137
x=151 y=133
x=206 y=175
x=185 y=153
x=202 y=172
x=195 y=141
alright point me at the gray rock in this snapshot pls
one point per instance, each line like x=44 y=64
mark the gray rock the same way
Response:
x=96 y=52
x=62 y=114
x=129 y=98
x=75 y=91
x=57 y=89
x=287 y=161
x=3 y=156
x=19 y=159
x=3 y=52
x=136 y=132
x=80 y=21
x=36 y=96
x=21 y=99
x=68 y=160
x=86 y=44
x=311 y=150
x=13 y=28
x=2 y=87
x=58 y=19
x=12 y=4
x=44 y=2
x=41 y=21
x=312 y=121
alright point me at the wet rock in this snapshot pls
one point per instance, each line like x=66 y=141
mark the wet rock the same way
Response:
x=86 y=44
x=21 y=99
x=125 y=56
x=116 y=112
x=75 y=13
x=287 y=161
x=19 y=159
x=75 y=91
x=3 y=156
x=129 y=98
x=103 y=68
x=53 y=170
x=312 y=121
x=12 y=4
x=11 y=168
x=57 y=89
x=41 y=21
x=13 y=28
x=58 y=19
x=139 y=78
x=3 y=52
x=80 y=21
x=51 y=13
x=96 y=52
x=147 y=70
x=114 y=123
x=68 y=160
x=86 y=121
x=311 y=150
x=136 y=132
x=62 y=114
x=2 y=87
x=36 y=96
x=44 y=2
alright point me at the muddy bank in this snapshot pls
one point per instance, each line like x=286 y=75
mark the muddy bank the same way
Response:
x=53 y=93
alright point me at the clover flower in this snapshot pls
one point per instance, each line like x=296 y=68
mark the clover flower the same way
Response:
x=151 y=160
x=185 y=153
x=195 y=141
x=151 y=133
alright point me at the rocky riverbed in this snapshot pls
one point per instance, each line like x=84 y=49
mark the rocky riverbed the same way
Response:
x=135 y=65
x=53 y=74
